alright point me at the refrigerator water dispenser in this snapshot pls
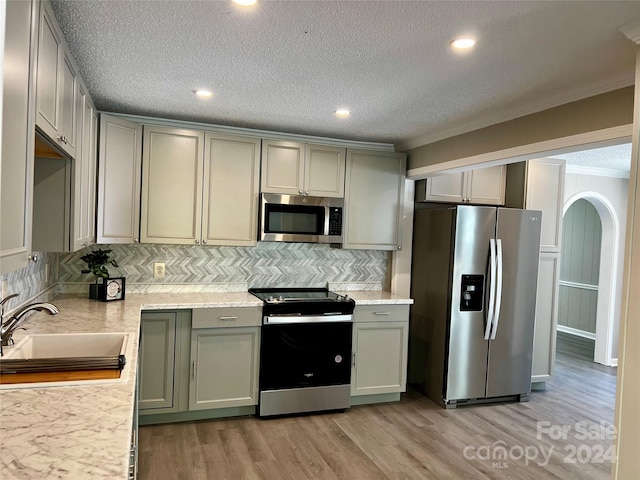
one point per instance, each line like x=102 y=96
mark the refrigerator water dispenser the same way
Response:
x=472 y=293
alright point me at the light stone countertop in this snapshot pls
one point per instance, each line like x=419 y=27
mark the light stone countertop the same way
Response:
x=83 y=432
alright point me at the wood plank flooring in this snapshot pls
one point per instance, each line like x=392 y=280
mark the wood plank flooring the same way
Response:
x=411 y=439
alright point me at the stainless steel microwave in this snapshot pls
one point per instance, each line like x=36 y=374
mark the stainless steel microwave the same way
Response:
x=300 y=218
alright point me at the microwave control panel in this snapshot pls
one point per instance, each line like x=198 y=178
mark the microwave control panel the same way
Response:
x=335 y=221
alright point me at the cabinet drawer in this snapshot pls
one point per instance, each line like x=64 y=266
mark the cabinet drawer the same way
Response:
x=381 y=313
x=226 y=317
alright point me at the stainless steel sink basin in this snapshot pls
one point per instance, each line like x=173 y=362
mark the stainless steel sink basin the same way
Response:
x=59 y=359
x=69 y=345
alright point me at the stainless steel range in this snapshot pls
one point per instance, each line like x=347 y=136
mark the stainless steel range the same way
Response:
x=305 y=350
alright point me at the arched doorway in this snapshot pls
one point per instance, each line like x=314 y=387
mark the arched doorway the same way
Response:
x=604 y=295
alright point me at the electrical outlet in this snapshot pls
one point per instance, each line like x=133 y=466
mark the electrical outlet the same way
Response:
x=46 y=273
x=158 y=270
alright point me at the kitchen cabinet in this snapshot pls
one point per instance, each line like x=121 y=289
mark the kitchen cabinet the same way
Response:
x=225 y=351
x=199 y=187
x=162 y=345
x=171 y=185
x=374 y=192
x=84 y=171
x=230 y=190
x=18 y=99
x=539 y=185
x=302 y=169
x=120 y=165
x=484 y=186
x=57 y=88
x=380 y=342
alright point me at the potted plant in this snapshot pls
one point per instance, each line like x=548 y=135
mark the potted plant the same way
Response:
x=97 y=261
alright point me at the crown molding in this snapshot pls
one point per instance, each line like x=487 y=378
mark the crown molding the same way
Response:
x=631 y=31
x=504 y=115
x=597 y=172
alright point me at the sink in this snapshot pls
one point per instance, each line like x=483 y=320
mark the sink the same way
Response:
x=68 y=345
x=65 y=359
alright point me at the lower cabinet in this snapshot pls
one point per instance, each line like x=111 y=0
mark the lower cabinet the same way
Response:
x=380 y=340
x=224 y=367
x=161 y=348
x=196 y=360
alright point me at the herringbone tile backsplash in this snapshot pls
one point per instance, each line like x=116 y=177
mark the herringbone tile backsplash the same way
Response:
x=266 y=265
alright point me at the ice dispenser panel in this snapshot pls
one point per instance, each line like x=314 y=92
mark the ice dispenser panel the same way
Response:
x=471 y=295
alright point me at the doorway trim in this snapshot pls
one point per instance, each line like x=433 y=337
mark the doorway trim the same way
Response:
x=608 y=277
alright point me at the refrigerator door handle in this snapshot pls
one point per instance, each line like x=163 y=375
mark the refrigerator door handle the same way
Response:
x=492 y=287
x=496 y=314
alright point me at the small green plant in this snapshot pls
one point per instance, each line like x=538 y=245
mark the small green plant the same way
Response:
x=97 y=261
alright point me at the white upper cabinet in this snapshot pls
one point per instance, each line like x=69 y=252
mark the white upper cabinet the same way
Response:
x=57 y=84
x=230 y=190
x=374 y=192
x=484 y=186
x=199 y=188
x=84 y=171
x=16 y=180
x=119 y=172
x=302 y=169
x=171 y=185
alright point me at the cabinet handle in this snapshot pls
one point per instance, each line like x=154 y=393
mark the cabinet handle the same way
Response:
x=353 y=355
x=197 y=242
x=301 y=192
x=33 y=258
x=306 y=192
x=381 y=313
x=228 y=318
x=204 y=241
x=135 y=240
x=399 y=247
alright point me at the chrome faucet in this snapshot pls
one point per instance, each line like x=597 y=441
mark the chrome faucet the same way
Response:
x=7 y=328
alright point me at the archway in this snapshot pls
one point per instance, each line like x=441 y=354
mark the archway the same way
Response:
x=605 y=313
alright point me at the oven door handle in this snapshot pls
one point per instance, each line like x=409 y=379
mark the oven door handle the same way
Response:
x=290 y=319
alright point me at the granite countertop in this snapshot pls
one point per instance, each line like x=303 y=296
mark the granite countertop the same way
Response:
x=79 y=432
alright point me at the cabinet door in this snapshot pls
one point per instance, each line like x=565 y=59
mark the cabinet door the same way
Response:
x=119 y=181
x=450 y=188
x=282 y=167
x=230 y=190
x=50 y=74
x=374 y=191
x=89 y=223
x=324 y=171
x=16 y=180
x=171 y=186
x=486 y=186
x=224 y=367
x=68 y=106
x=79 y=175
x=157 y=361
x=380 y=358
x=545 y=191
x=544 y=335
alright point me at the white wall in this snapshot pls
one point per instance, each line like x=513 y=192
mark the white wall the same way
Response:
x=615 y=191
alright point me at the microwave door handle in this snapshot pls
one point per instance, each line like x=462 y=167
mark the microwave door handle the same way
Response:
x=492 y=287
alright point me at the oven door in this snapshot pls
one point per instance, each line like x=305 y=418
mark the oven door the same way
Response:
x=305 y=355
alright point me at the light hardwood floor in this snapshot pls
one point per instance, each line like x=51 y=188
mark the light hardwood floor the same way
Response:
x=411 y=439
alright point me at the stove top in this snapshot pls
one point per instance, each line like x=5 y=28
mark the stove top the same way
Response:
x=303 y=301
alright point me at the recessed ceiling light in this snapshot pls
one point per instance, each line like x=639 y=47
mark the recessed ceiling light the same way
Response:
x=203 y=93
x=342 y=112
x=245 y=3
x=463 y=43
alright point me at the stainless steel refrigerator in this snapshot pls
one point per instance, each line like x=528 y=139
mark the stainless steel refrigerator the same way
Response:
x=473 y=282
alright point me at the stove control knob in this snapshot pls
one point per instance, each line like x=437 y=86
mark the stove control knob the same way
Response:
x=270 y=298
x=281 y=298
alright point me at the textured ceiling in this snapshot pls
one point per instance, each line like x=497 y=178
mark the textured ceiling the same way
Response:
x=287 y=65
x=617 y=157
